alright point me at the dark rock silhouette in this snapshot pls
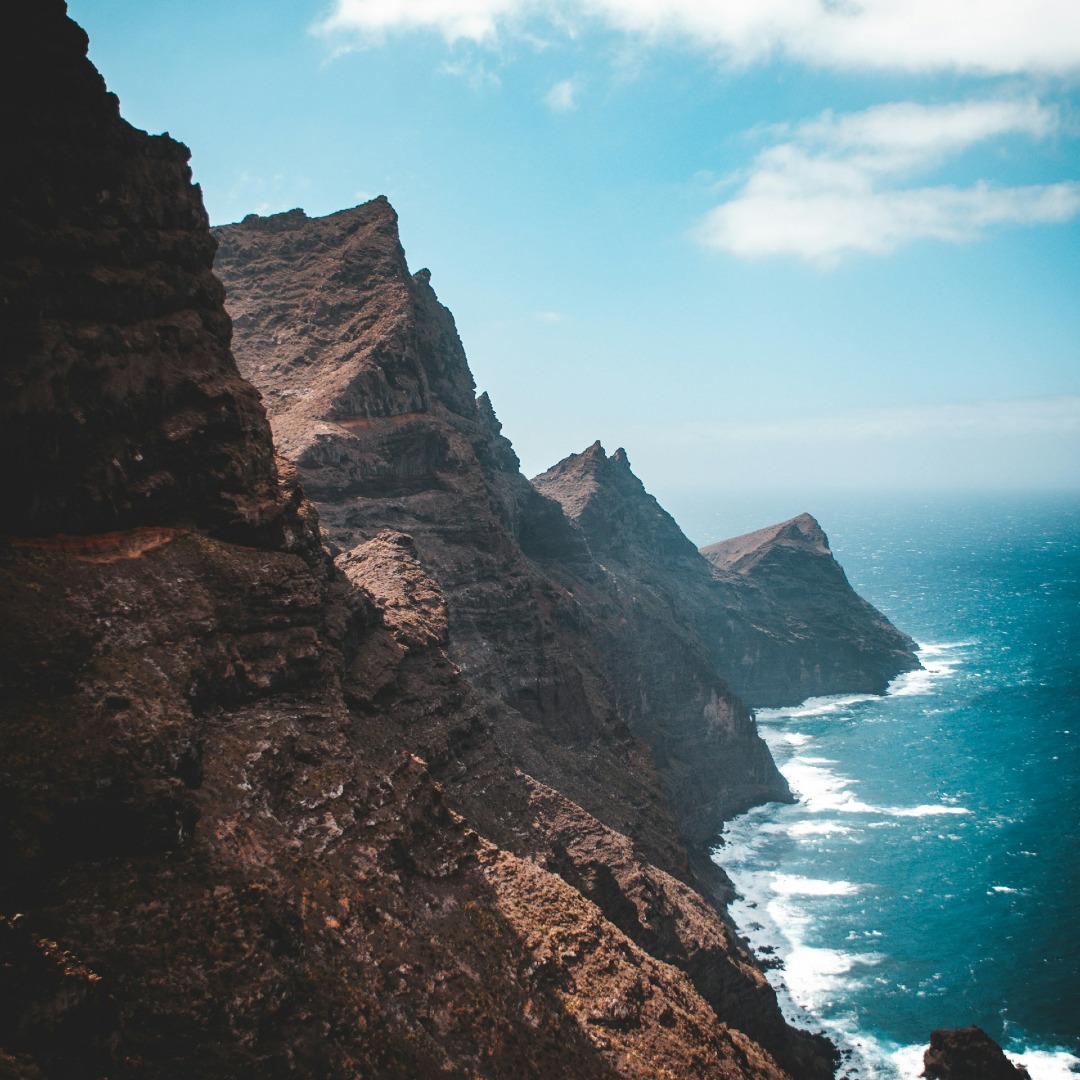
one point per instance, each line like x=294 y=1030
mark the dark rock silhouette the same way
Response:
x=968 y=1054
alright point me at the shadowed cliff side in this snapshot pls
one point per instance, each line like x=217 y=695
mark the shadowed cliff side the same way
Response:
x=117 y=390
x=222 y=855
x=772 y=609
x=792 y=623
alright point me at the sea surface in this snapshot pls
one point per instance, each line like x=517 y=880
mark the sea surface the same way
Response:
x=929 y=875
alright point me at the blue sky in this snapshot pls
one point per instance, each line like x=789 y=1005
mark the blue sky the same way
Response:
x=764 y=244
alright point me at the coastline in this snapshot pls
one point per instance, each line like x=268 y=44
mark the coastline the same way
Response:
x=778 y=910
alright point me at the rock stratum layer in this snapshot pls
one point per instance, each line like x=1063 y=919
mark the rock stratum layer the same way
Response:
x=438 y=805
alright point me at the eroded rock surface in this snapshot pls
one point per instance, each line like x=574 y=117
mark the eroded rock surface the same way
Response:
x=262 y=815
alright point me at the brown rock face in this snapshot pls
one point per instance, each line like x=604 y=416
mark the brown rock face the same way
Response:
x=589 y=691
x=379 y=417
x=968 y=1054
x=223 y=854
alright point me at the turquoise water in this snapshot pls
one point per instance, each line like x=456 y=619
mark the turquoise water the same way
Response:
x=929 y=876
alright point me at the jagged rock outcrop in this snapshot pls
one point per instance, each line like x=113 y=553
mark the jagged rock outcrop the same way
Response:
x=968 y=1054
x=582 y=673
x=594 y=695
x=795 y=627
x=773 y=609
x=225 y=851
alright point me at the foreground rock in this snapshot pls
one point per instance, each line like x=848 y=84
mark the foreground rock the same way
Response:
x=968 y=1054
x=225 y=849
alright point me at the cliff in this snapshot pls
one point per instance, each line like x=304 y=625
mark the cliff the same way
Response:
x=793 y=625
x=772 y=610
x=262 y=814
x=370 y=395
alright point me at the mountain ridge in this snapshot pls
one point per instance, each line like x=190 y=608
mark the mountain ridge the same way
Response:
x=359 y=760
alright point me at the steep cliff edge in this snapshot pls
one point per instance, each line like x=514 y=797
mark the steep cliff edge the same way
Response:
x=117 y=393
x=223 y=855
x=380 y=420
x=773 y=609
x=796 y=628
x=606 y=705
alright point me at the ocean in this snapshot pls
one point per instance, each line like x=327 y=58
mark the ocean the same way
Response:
x=929 y=875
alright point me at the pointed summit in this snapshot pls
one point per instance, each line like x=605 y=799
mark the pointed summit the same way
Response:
x=616 y=513
x=742 y=553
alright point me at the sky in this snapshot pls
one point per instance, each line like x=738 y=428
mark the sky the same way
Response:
x=790 y=245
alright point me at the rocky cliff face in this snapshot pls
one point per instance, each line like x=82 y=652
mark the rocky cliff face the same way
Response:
x=264 y=815
x=792 y=625
x=118 y=393
x=773 y=609
x=594 y=691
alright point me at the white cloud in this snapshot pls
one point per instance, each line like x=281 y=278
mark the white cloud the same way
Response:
x=831 y=188
x=562 y=97
x=474 y=72
x=990 y=37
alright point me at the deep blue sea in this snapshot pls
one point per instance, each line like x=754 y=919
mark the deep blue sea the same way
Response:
x=929 y=875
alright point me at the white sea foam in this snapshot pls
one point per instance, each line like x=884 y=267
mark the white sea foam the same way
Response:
x=927 y=810
x=794 y=885
x=815 y=706
x=818 y=828
x=795 y=738
x=905 y=1061
x=937 y=662
x=813 y=975
x=1047 y=1064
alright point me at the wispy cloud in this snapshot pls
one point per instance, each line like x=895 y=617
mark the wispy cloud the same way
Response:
x=473 y=71
x=835 y=185
x=993 y=37
x=562 y=97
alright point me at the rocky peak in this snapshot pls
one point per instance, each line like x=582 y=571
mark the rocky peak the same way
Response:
x=610 y=504
x=494 y=449
x=742 y=553
x=364 y=339
x=120 y=403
